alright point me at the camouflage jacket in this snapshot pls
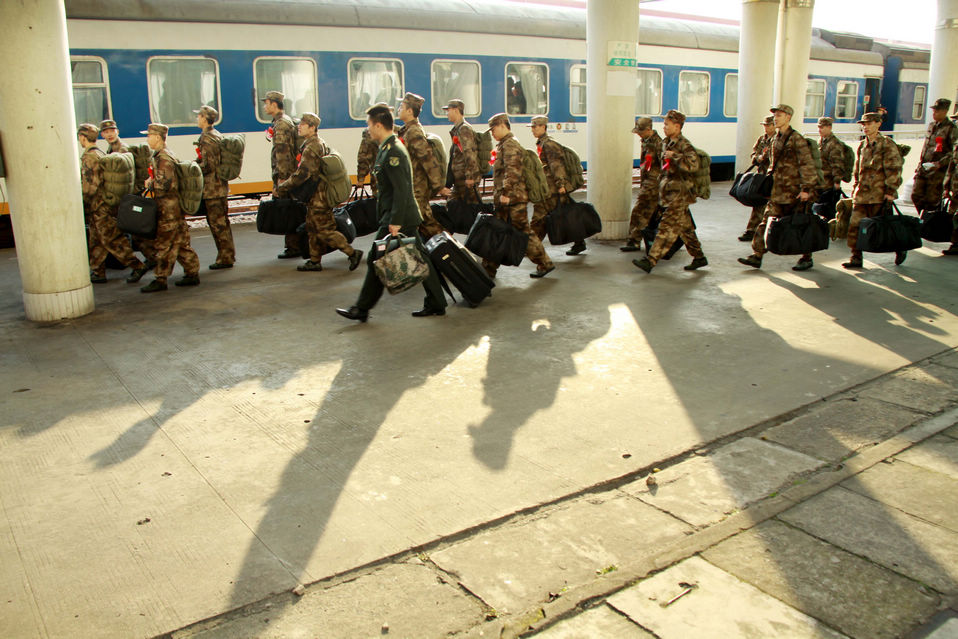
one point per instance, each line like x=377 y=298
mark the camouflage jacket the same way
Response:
x=761 y=157
x=366 y=157
x=833 y=160
x=792 y=167
x=507 y=171
x=309 y=161
x=463 y=155
x=426 y=172
x=651 y=163
x=948 y=132
x=283 y=156
x=675 y=183
x=877 y=170
x=118 y=146
x=165 y=184
x=208 y=147
x=550 y=152
x=91 y=177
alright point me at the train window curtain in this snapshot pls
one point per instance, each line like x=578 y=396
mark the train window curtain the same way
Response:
x=179 y=85
x=846 y=103
x=373 y=80
x=577 y=90
x=694 y=93
x=648 y=92
x=295 y=77
x=527 y=89
x=815 y=99
x=453 y=79
x=90 y=95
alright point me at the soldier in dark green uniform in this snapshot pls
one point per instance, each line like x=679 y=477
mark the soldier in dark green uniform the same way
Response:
x=398 y=213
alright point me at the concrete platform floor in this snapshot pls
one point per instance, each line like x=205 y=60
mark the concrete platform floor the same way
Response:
x=174 y=456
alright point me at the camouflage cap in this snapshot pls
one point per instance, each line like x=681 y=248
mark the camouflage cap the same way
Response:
x=826 y=121
x=870 y=117
x=676 y=116
x=107 y=124
x=310 y=119
x=539 y=120
x=411 y=99
x=208 y=112
x=275 y=96
x=499 y=118
x=784 y=108
x=89 y=131
x=941 y=103
x=159 y=129
x=641 y=124
x=455 y=104
x=769 y=120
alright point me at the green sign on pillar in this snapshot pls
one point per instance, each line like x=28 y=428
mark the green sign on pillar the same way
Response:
x=623 y=53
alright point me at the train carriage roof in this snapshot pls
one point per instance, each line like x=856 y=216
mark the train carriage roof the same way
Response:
x=478 y=16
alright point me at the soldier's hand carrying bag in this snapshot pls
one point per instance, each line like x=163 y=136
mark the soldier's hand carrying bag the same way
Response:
x=137 y=215
x=399 y=263
x=889 y=233
x=796 y=234
x=752 y=189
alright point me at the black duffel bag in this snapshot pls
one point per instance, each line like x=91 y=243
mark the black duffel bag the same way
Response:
x=752 y=189
x=137 y=215
x=497 y=240
x=938 y=224
x=344 y=225
x=459 y=215
x=825 y=206
x=796 y=234
x=361 y=209
x=279 y=216
x=888 y=232
x=572 y=222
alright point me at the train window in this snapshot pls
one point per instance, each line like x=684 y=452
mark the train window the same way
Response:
x=815 y=99
x=373 y=80
x=577 y=89
x=453 y=79
x=91 y=90
x=648 y=92
x=846 y=102
x=731 y=95
x=918 y=106
x=295 y=77
x=694 y=93
x=527 y=88
x=180 y=84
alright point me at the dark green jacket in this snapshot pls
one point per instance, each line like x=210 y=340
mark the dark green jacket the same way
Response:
x=395 y=203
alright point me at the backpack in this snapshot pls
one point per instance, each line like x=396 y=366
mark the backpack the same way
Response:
x=534 y=176
x=702 y=177
x=573 y=168
x=483 y=150
x=189 y=176
x=119 y=174
x=142 y=157
x=332 y=171
x=903 y=149
x=817 y=161
x=438 y=150
x=232 y=148
x=849 y=156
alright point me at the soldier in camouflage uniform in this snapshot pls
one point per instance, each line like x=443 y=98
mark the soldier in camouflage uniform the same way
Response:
x=553 y=165
x=832 y=152
x=795 y=178
x=110 y=133
x=101 y=219
x=935 y=158
x=282 y=158
x=951 y=186
x=320 y=223
x=365 y=159
x=426 y=171
x=215 y=190
x=761 y=158
x=679 y=163
x=648 y=200
x=172 y=243
x=464 y=172
x=876 y=180
x=510 y=195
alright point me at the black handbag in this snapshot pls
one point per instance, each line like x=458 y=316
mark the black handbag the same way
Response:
x=826 y=203
x=279 y=216
x=796 y=234
x=752 y=189
x=361 y=209
x=497 y=240
x=458 y=215
x=572 y=222
x=137 y=215
x=938 y=224
x=888 y=232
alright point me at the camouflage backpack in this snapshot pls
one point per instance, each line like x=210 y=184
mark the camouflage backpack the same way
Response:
x=573 y=168
x=702 y=177
x=232 y=148
x=483 y=150
x=189 y=178
x=119 y=174
x=438 y=150
x=534 y=176
x=817 y=161
x=332 y=171
x=142 y=157
x=848 y=168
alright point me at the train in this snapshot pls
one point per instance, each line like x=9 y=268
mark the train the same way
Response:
x=157 y=60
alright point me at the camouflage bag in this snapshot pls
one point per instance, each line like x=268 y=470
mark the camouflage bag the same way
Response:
x=534 y=176
x=399 y=264
x=483 y=150
x=189 y=178
x=848 y=167
x=119 y=174
x=702 y=177
x=142 y=157
x=332 y=171
x=232 y=148
x=573 y=168
x=438 y=150
x=817 y=161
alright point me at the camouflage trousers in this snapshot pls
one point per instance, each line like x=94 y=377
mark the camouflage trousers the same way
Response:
x=928 y=189
x=321 y=227
x=860 y=212
x=429 y=225
x=106 y=238
x=774 y=209
x=539 y=212
x=642 y=212
x=217 y=216
x=676 y=223
x=758 y=212
x=518 y=214
x=145 y=246
x=172 y=243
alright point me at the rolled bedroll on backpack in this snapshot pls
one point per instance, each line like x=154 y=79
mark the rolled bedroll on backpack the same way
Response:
x=119 y=174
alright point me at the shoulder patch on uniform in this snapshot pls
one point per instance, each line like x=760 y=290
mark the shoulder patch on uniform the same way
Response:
x=393 y=161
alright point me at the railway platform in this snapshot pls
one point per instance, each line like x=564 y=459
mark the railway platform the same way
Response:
x=235 y=460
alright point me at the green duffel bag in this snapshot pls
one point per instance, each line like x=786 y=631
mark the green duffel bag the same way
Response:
x=119 y=174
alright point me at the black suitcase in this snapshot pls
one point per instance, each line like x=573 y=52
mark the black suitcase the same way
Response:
x=280 y=216
x=572 y=222
x=458 y=215
x=889 y=233
x=752 y=189
x=362 y=211
x=796 y=234
x=497 y=240
x=137 y=215
x=455 y=263
x=937 y=225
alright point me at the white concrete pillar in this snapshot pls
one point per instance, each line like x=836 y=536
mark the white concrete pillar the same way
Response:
x=791 y=56
x=42 y=160
x=612 y=33
x=756 y=74
x=943 y=75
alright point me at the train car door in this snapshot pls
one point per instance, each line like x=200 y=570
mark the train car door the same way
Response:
x=872 y=98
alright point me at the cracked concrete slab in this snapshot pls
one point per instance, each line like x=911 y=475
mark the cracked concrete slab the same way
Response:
x=601 y=621
x=847 y=592
x=938 y=453
x=703 y=490
x=928 y=388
